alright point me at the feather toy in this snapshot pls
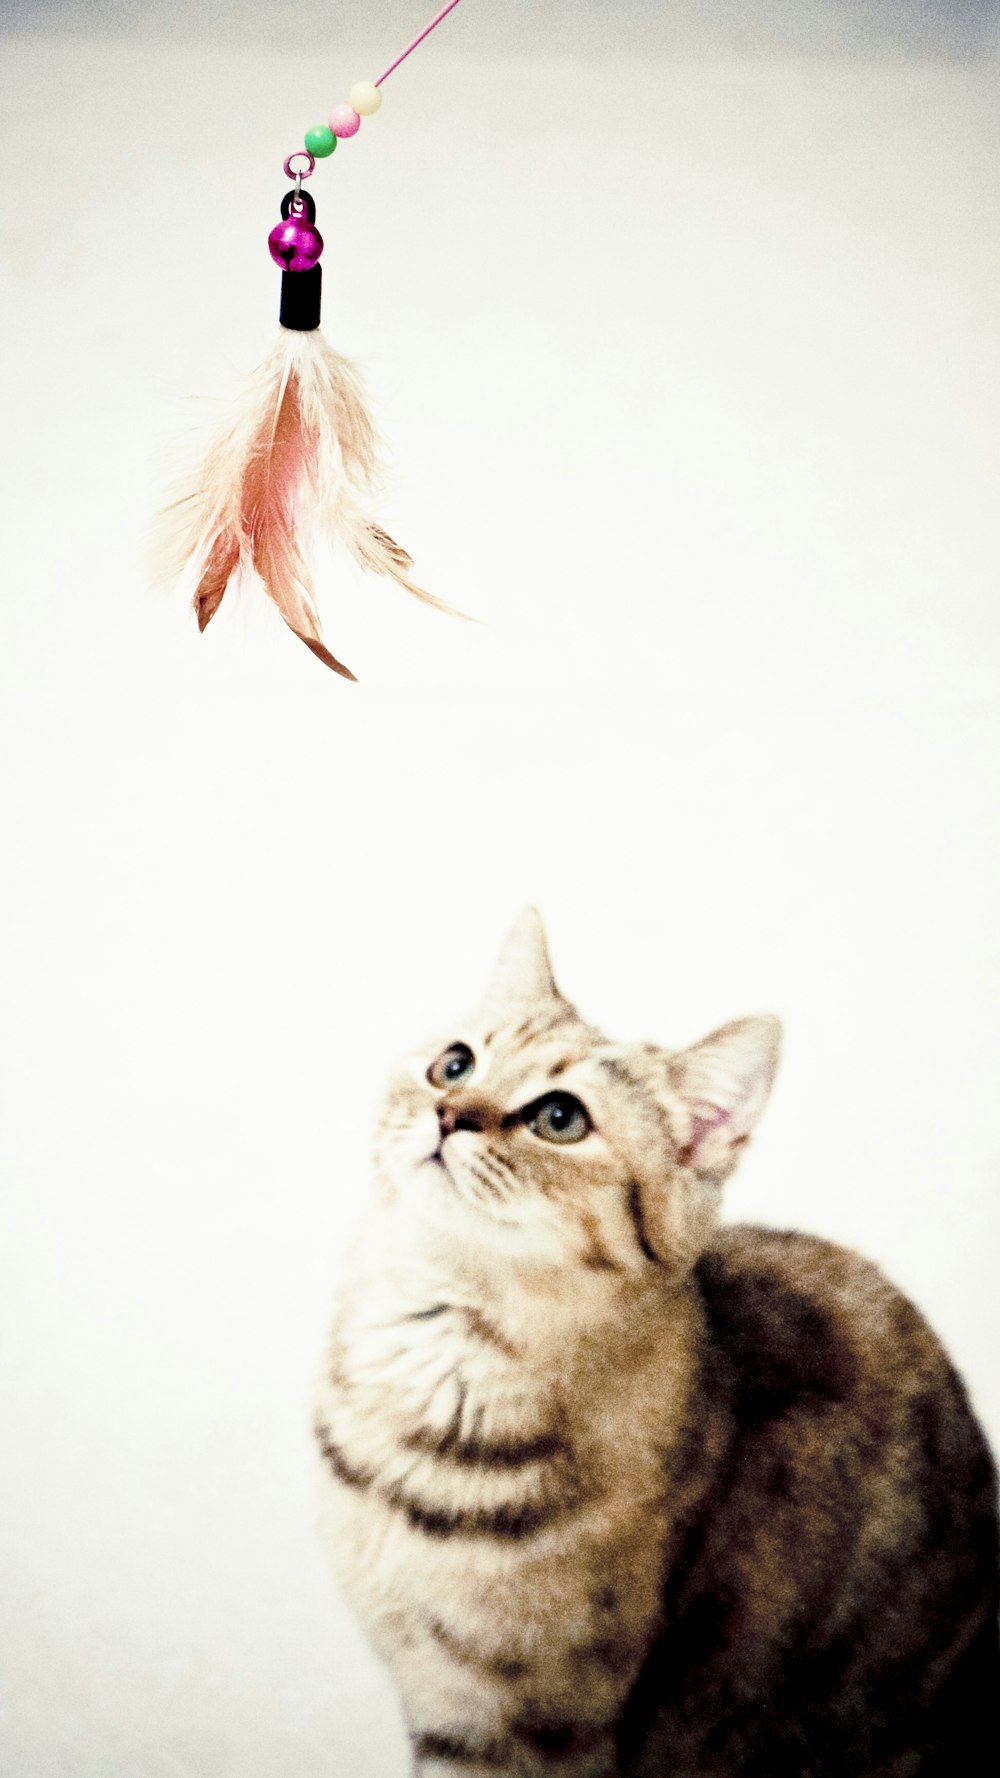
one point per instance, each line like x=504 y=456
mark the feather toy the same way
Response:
x=297 y=460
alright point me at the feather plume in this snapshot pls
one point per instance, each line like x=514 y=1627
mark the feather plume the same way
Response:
x=297 y=459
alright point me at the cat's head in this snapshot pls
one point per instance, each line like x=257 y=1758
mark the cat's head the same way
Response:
x=527 y=1131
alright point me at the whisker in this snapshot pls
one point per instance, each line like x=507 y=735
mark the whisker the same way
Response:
x=497 y=1167
x=484 y=1179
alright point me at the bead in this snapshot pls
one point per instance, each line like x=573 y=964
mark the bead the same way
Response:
x=365 y=98
x=344 y=121
x=294 y=244
x=320 y=141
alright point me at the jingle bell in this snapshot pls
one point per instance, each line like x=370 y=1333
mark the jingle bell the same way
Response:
x=295 y=243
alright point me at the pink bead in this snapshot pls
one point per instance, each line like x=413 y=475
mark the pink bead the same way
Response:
x=344 y=121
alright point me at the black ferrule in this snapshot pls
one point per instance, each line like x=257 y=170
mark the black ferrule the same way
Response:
x=301 y=295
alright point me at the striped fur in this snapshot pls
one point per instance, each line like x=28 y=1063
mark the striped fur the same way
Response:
x=616 y=1491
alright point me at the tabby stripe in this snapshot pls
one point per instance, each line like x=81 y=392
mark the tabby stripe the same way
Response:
x=459 y=1752
x=478 y=1324
x=490 y=1454
x=610 y=1653
x=635 y=1211
x=596 y=1260
x=555 y=1742
x=621 y=1071
x=485 y=1330
x=502 y=1522
x=558 y=1068
x=503 y=1666
x=540 y=1025
x=596 y=1256
x=558 y=1741
x=345 y=1471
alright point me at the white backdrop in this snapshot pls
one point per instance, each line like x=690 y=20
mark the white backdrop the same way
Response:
x=685 y=345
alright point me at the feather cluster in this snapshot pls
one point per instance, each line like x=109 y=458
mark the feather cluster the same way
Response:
x=298 y=459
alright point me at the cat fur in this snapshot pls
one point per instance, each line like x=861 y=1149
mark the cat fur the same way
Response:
x=616 y=1490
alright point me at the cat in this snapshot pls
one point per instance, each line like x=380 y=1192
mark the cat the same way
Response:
x=616 y=1489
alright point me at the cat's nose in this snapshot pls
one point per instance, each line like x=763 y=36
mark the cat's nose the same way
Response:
x=450 y=1118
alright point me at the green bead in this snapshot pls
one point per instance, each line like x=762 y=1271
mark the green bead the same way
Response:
x=320 y=141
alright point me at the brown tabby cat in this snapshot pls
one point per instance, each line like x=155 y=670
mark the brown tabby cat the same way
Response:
x=616 y=1490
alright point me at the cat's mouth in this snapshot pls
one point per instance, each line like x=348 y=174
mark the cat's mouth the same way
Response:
x=479 y=1191
x=458 y=1183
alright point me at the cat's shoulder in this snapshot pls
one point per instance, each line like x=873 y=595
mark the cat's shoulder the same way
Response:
x=745 y=1263
x=790 y=1316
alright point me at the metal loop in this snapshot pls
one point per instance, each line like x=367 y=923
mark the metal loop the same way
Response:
x=297 y=173
x=298 y=205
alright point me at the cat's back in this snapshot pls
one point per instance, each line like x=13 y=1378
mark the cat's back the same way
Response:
x=794 y=1322
x=844 y=1544
x=842 y=1413
x=798 y=1326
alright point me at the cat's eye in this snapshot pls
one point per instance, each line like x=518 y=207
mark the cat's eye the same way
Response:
x=558 y=1117
x=452 y=1065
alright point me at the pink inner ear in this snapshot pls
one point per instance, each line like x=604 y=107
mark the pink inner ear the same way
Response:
x=704 y=1119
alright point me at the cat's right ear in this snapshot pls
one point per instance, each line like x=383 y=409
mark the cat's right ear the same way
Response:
x=522 y=974
x=718 y=1089
x=723 y=1084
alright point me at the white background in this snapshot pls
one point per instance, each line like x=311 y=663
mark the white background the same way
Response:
x=682 y=329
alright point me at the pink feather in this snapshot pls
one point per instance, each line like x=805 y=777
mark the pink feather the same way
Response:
x=298 y=458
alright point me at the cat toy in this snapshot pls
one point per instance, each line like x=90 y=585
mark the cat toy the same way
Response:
x=297 y=459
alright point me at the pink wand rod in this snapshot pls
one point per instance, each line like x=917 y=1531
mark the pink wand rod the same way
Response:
x=436 y=20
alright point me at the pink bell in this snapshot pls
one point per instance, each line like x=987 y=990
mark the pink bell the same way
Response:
x=295 y=243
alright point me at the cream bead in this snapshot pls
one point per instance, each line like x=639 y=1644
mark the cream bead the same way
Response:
x=364 y=98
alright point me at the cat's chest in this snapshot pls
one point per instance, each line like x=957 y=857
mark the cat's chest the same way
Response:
x=444 y=1381
x=463 y=1479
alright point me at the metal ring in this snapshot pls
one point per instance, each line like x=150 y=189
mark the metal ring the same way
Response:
x=297 y=154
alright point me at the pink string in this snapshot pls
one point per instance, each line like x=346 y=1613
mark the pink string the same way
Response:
x=436 y=20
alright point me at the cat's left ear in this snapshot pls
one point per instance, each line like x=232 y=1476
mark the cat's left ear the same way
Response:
x=723 y=1084
x=522 y=975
